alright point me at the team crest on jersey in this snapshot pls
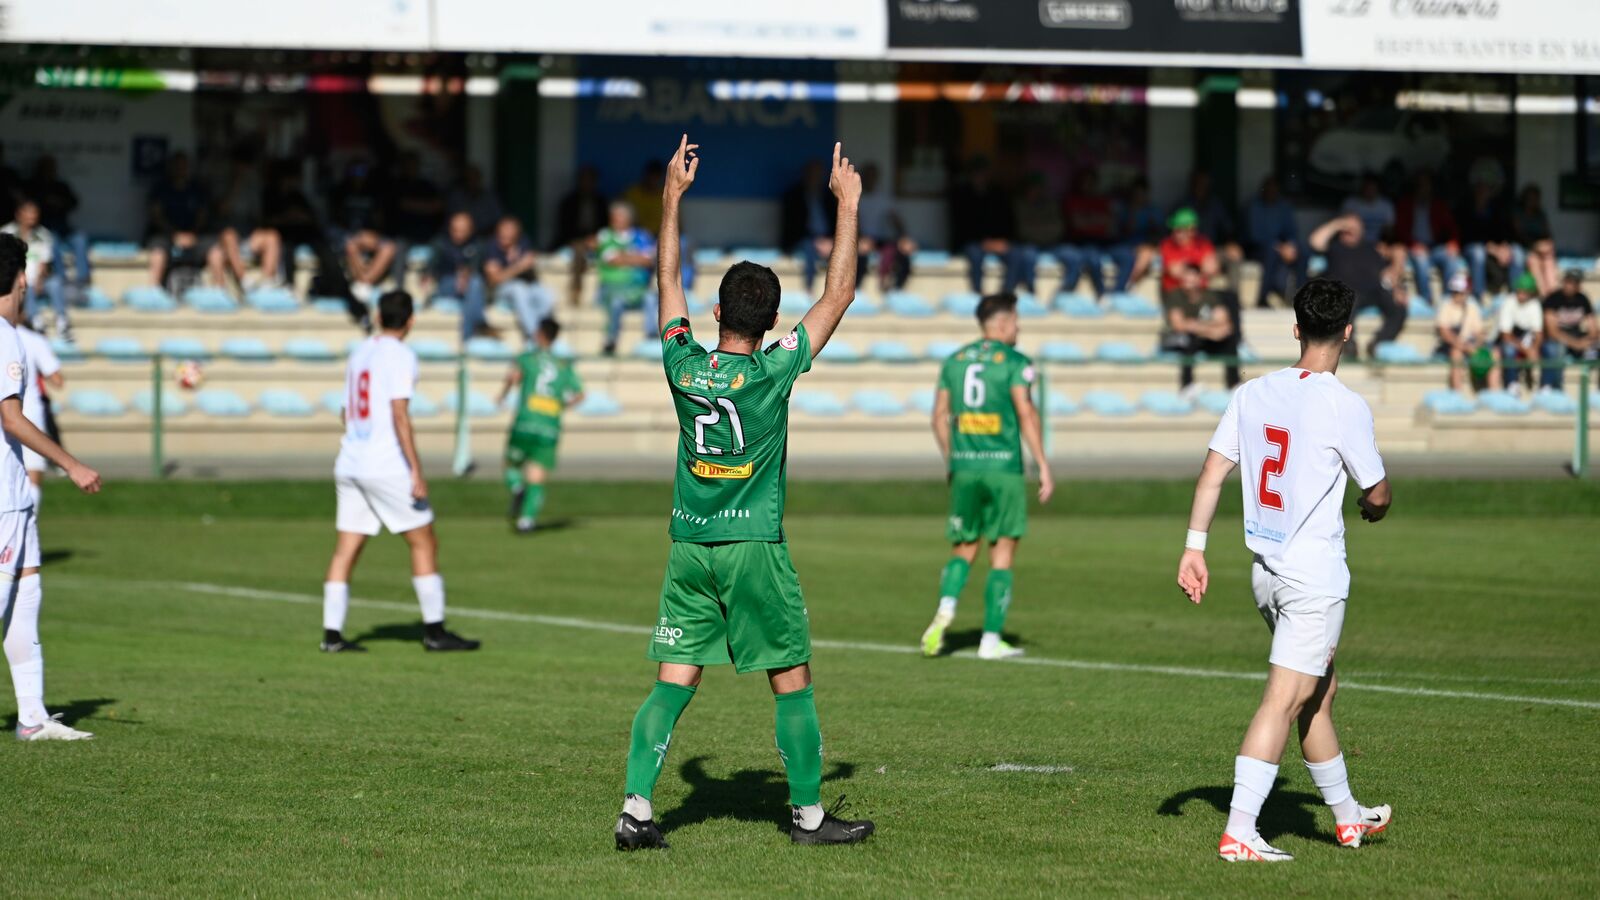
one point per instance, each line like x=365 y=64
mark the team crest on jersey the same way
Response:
x=999 y=357
x=685 y=380
x=791 y=341
x=14 y=371
x=737 y=382
x=6 y=556
x=1027 y=374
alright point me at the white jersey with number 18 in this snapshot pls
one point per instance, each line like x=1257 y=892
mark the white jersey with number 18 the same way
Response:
x=1294 y=435
x=381 y=370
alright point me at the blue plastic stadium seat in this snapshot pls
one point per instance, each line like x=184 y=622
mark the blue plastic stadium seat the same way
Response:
x=479 y=406
x=172 y=403
x=928 y=259
x=1108 y=403
x=961 y=303
x=1029 y=307
x=114 y=251
x=1059 y=404
x=432 y=349
x=423 y=407
x=598 y=405
x=1214 y=401
x=1565 y=261
x=284 y=404
x=877 y=402
x=1594 y=401
x=246 y=349
x=922 y=400
x=891 y=352
x=1398 y=354
x=330 y=306
x=273 y=300
x=444 y=306
x=308 y=349
x=419 y=256
x=183 y=348
x=939 y=351
x=1133 y=306
x=696 y=304
x=333 y=401
x=1420 y=309
x=489 y=349
x=149 y=299
x=911 y=306
x=861 y=307
x=1165 y=403
x=98 y=300
x=1316 y=265
x=1062 y=352
x=1248 y=354
x=1368 y=312
x=96 y=403
x=1078 y=306
x=1502 y=403
x=709 y=256
x=66 y=350
x=818 y=403
x=1555 y=402
x=120 y=349
x=839 y=351
x=647 y=349
x=1048 y=263
x=793 y=304
x=1445 y=402
x=761 y=256
x=210 y=300
x=563 y=349
x=1119 y=352
x=221 y=403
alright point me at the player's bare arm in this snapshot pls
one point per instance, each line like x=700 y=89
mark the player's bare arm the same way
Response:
x=681 y=170
x=1032 y=435
x=513 y=378
x=1193 y=577
x=29 y=435
x=840 y=288
x=408 y=446
x=1375 y=500
x=941 y=423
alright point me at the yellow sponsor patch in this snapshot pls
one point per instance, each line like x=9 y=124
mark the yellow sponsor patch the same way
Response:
x=544 y=406
x=978 y=423
x=703 y=469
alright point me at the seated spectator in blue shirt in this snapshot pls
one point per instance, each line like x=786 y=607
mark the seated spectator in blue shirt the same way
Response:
x=457 y=272
x=57 y=201
x=983 y=224
x=1091 y=236
x=177 y=232
x=513 y=274
x=1273 y=240
x=1141 y=226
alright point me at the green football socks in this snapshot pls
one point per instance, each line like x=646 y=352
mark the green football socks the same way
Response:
x=514 y=479
x=799 y=745
x=652 y=734
x=532 y=501
x=996 y=600
x=954 y=578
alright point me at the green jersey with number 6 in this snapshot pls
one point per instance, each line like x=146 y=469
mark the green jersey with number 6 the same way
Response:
x=733 y=441
x=984 y=436
x=548 y=385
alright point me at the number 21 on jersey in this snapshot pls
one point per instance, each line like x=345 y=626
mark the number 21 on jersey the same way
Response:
x=1272 y=467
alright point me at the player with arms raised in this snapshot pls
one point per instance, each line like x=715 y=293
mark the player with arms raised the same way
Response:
x=984 y=390
x=548 y=385
x=730 y=592
x=378 y=479
x=1294 y=434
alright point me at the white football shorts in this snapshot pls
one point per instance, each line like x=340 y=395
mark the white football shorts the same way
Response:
x=32 y=461
x=1305 y=627
x=368 y=505
x=19 y=541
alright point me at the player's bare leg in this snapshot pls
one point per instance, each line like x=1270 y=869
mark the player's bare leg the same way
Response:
x=647 y=752
x=799 y=737
x=347 y=548
x=429 y=585
x=951 y=580
x=1319 y=747
x=532 y=497
x=26 y=657
x=997 y=601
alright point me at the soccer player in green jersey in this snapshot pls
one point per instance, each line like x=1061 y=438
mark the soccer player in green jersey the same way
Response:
x=730 y=593
x=982 y=415
x=549 y=385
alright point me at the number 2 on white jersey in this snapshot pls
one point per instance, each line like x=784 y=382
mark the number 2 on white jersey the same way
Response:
x=1272 y=467
x=973 y=390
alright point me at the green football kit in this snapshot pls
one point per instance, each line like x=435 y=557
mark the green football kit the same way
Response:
x=988 y=497
x=548 y=384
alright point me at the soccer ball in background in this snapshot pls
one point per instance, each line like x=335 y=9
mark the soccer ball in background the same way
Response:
x=190 y=375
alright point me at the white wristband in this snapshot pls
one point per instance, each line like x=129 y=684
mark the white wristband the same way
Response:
x=1195 y=540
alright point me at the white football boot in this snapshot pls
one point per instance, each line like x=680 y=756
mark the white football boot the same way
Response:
x=1373 y=821
x=51 y=729
x=1250 y=849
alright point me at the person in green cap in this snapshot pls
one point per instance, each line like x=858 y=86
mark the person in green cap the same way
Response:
x=549 y=385
x=1521 y=323
x=1186 y=248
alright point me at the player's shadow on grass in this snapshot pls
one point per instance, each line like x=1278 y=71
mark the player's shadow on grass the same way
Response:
x=76 y=711
x=399 y=631
x=553 y=525
x=749 y=795
x=54 y=557
x=969 y=639
x=1285 y=812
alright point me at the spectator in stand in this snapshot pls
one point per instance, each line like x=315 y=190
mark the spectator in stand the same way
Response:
x=456 y=269
x=579 y=218
x=1570 y=330
x=1273 y=240
x=1091 y=237
x=1367 y=268
x=1140 y=230
x=644 y=196
x=239 y=211
x=982 y=223
x=512 y=270
x=357 y=209
x=1214 y=221
x=11 y=188
x=1375 y=211
x=177 y=231
x=57 y=201
x=808 y=218
x=1425 y=231
x=1463 y=333
x=1186 y=248
x=625 y=254
x=883 y=230
x=1494 y=259
x=416 y=213
x=1531 y=229
x=286 y=210
x=475 y=198
x=1198 y=321
x=41 y=269
x=1040 y=224
x=1521 y=331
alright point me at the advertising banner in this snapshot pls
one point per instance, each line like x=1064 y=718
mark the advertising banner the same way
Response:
x=1512 y=36
x=344 y=25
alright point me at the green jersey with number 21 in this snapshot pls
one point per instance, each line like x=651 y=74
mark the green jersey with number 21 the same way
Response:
x=984 y=436
x=733 y=435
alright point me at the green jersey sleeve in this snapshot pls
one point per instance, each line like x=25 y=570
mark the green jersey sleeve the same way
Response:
x=790 y=356
x=678 y=345
x=1022 y=372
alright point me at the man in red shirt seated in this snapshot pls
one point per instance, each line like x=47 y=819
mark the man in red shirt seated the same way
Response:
x=1186 y=247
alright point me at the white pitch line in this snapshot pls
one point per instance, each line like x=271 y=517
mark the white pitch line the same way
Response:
x=1019 y=767
x=223 y=590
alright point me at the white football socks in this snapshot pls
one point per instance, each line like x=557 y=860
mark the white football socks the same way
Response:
x=638 y=807
x=430 y=596
x=808 y=817
x=989 y=641
x=1252 y=782
x=335 y=603
x=23 y=651
x=1334 y=782
x=947 y=607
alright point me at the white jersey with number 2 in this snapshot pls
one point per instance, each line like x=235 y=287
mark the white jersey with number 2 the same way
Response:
x=1294 y=435
x=382 y=369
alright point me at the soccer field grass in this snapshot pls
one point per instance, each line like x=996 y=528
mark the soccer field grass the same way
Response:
x=180 y=624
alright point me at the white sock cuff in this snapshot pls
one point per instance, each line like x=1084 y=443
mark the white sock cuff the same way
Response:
x=1254 y=776
x=638 y=807
x=1332 y=779
x=947 y=605
x=335 y=604
x=430 y=596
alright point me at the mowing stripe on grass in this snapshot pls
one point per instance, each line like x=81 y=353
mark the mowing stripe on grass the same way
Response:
x=223 y=590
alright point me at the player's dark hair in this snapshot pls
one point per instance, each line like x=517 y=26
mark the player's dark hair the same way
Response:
x=995 y=304
x=749 y=296
x=394 y=310
x=13 y=257
x=1322 y=308
x=550 y=328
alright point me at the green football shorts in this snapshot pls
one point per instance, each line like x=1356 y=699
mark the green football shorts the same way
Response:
x=738 y=602
x=531 y=448
x=989 y=505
